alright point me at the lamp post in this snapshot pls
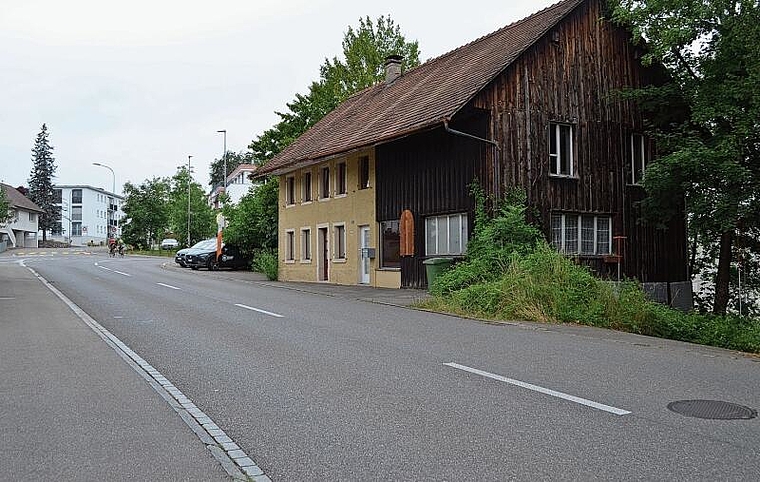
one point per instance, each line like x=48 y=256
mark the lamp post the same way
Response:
x=224 y=158
x=113 y=193
x=188 y=200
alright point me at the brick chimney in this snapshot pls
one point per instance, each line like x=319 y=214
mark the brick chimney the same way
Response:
x=392 y=68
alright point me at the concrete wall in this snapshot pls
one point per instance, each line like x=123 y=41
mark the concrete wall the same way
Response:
x=352 y=210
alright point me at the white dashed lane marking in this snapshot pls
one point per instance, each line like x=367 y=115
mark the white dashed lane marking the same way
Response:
x=536 y=388
x=258 y=310
x=168 y=286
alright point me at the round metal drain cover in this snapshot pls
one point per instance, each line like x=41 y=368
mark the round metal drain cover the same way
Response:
x=712 y=409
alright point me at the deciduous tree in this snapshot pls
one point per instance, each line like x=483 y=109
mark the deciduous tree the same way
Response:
x=146 y=212
x=712 y=156
x=200 y=215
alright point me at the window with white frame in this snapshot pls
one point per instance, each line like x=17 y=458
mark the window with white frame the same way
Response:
x=638 y=158
x=446 y=235
x=582 y=234
x=290 y=190
x=560 y=149
x=340 y=241
x=305 y=244
x=324 y=183
x=290 y=245
x=32 y=217
x=76 y=213
x=341 y=178
x=306 y=183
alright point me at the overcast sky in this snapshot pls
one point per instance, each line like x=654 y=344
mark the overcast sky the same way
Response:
x=142 y=84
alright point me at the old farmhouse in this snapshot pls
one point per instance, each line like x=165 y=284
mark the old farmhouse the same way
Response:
x=381 y=183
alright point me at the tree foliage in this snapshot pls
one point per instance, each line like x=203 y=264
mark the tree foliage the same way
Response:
x=711 y=155
x=201 y=216
x=5 y=207
x=234 y=159
x=146 y=212
x=364 y=51
x=252 y=223
x=41 y=190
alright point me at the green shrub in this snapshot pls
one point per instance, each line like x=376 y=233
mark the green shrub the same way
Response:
x=511 y=273
x=265 y=261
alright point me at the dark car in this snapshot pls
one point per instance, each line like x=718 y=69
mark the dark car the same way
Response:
x=179 y=257
x=231 y=257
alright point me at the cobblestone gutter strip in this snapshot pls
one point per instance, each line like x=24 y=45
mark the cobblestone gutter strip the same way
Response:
x=231 y=457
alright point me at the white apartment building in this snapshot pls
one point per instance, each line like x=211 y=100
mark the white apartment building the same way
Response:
x=238 y=184
x=89 y=215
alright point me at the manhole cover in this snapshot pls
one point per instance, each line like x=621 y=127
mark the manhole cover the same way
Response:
x=712 y=409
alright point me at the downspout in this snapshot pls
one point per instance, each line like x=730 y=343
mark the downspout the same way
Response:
x=496 y=173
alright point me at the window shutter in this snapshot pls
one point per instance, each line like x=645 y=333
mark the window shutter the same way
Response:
x=406 y=228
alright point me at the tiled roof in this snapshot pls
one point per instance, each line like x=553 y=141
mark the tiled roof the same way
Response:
x=18 y=200
x=420 y=98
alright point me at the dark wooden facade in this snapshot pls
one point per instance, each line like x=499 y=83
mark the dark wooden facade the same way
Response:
x=571 y=75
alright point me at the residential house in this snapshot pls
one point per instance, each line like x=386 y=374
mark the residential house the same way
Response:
x=88 y=214
x=381 y=183
x=239 y=182
x=21 y=230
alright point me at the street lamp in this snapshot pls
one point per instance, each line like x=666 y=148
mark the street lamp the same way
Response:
x=224 y=158
x=188 y=200
x=113 y=193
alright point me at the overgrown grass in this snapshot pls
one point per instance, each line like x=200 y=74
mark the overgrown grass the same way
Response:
x=528 y=280
x=265 y=261
x=153 y=252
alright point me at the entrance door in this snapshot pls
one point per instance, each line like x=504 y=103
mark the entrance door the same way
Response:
x=323 y=253
x=364 y=243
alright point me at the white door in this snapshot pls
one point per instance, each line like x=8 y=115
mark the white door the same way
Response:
x=364 y=242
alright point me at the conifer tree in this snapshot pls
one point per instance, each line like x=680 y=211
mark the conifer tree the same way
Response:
x=41 y=190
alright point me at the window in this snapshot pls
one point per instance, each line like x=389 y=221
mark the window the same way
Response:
x=57 y=196
x=290 y=190
x=324 y=183
x=32 y=217
x=76 y=196
x=364 y=172
x=638 y=158
x=306 y=195
x=290 y=245
x=340 y=242
x=390 y=242
x=561 y=149
x=305 y=244
x=446 y=235
x=341 y=187
x=76 y=213
x=594 y=233
x=76 y=229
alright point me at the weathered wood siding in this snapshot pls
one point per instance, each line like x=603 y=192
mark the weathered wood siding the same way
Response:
x=429 y=174
x=573 y=75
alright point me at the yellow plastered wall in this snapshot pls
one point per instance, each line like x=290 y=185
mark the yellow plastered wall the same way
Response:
x=303 y=219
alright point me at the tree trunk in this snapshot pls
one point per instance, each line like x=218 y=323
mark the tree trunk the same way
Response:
x=723 y=278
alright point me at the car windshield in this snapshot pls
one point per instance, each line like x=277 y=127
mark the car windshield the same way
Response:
x=205 y=243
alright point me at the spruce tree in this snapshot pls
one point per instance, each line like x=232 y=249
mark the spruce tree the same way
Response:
x=41 y=190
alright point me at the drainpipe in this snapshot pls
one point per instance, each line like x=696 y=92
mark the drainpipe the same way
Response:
x=496 y=172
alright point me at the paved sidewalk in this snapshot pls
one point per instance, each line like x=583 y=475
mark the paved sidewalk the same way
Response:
x=72 y=409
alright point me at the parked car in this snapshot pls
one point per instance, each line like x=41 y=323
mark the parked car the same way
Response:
x=169 y=243
x=179 y=256
x=231 y=257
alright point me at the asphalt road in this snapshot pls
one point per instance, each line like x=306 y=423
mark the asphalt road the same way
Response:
x=325 y=388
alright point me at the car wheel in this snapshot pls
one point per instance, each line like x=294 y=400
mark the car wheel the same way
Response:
x=194 y=268
x=212 y=265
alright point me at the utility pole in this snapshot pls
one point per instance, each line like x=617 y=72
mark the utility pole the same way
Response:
x=189 y=178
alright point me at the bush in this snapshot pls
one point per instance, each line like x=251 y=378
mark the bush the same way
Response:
x=265 y=261
x=511 y=273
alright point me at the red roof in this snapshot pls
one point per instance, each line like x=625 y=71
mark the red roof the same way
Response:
x=423 y=97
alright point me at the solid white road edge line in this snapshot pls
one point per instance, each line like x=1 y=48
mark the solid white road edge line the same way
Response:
x=258 y=310
x=536 y=388
x=168 y=286
x=229 y=455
